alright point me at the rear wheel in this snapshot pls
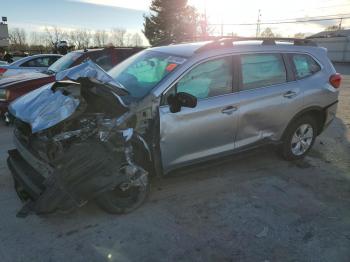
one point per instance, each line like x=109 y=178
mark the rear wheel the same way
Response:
x=299 y=138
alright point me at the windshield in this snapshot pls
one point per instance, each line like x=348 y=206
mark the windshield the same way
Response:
x=64 y=62
x=142 y=72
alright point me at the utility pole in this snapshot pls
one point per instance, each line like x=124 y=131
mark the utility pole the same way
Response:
x=258 y=24
x=340 y=22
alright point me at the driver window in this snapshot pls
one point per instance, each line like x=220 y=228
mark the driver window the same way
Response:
x=211 y=78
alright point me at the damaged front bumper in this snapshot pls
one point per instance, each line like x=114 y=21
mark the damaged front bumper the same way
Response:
x=84 y=172
x=73 y=142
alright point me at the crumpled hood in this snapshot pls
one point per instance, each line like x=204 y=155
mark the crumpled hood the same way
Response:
x=91 y=71
x=43 y=107
x=47 y=106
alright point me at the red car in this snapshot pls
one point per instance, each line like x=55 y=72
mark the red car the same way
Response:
x=16 y=86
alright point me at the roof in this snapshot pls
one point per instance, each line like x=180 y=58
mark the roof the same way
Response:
x=27 y=58
x=327 y=34
x=236 y=43
x=185 y=50
x=105 y=48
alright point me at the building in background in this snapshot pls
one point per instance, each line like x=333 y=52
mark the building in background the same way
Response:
x=4 y=33
x=337 y=43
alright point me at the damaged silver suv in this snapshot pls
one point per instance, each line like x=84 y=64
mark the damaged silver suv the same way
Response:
x=97 y=135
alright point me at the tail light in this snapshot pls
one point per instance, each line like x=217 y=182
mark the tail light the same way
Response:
x=2 y=70
x=335 y=80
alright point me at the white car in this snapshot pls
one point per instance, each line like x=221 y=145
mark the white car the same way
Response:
x=35 y=63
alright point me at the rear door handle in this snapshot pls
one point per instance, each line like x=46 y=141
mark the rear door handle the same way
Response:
x=290 y=94
x=229 y=110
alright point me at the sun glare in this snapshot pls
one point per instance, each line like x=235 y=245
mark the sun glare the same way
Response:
x=231 y=13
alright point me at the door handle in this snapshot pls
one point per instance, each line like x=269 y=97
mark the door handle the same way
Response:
x=229 y=110
x=290 y=94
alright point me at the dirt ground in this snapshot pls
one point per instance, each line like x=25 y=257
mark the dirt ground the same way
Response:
x=251 y=207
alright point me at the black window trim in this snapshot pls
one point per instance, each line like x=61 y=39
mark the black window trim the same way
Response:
x=235 y=76
x=290 y=58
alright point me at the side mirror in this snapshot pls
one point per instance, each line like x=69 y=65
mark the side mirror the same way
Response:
x=181 y=99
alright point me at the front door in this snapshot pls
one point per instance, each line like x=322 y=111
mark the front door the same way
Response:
x=194 y=134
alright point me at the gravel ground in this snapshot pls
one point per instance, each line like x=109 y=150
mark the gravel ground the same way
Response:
x=251 y=207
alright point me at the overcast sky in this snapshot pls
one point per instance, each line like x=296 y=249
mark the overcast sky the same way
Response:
x=34 y=15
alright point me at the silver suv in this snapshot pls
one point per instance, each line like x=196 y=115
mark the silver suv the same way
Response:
x=97 y=135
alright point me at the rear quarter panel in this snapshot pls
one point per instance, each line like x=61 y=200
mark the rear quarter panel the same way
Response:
x=318 y=92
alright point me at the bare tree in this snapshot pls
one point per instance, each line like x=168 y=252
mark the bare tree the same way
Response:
x=136 y=40
x=117 y=36
x=267 y=33
x=18 y=37
x=54 y=35
x=100 y=38
x=299 y=35
x=37 y=38
x=127 y=39
x=334 y=28
x=81 y=38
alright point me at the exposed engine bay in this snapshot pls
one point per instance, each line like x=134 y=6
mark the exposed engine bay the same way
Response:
x=76 y=141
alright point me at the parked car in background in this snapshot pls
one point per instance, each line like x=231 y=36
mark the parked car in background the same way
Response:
x=3 y=63
x=35 y=63
x=16 y=86
x=100 y=136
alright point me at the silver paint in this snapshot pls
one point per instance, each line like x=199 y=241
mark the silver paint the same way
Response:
x=43 y=108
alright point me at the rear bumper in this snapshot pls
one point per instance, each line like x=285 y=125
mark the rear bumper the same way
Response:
x=331 y=112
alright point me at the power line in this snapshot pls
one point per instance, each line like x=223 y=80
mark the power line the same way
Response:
x=314 y=17
x=298 y=20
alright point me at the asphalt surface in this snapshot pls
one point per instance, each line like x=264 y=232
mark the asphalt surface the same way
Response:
x=251 y=207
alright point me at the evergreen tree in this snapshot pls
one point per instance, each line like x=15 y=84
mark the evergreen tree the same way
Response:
x=170 y=22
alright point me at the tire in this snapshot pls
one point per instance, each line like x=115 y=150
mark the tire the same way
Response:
x=122 y=202
x=299 y=138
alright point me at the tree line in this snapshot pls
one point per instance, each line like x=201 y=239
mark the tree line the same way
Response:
x=46 y=40
x=167 y=22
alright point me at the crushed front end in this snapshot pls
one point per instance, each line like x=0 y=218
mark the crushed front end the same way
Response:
x=73 y=144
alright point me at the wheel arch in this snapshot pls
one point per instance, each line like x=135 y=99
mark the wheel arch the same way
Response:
x=316 y=112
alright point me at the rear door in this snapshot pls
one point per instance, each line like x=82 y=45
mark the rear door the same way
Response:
x=269 y=97
x=209 y=128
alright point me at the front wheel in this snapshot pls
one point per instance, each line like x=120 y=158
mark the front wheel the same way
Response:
x=126 y=197
x=299 y=138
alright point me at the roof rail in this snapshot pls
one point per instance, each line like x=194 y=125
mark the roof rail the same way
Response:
x=224 y=42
